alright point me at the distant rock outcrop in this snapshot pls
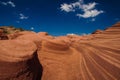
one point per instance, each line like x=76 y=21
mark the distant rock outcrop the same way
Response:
x=3 y=36
x=40 y=56
x=5 y=32
x=97 y=32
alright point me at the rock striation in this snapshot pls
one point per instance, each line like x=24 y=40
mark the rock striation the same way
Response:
x=38 y=56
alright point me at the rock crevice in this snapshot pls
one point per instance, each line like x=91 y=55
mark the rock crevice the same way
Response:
x=38 y=56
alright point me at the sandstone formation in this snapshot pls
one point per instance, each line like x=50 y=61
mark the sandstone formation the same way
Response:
x=93 y=57
x=5 y=31
x=3 y=36
x=39 y=56
x=18 y=60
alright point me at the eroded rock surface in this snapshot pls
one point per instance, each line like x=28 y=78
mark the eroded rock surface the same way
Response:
x=39 y=56
x=18 y=60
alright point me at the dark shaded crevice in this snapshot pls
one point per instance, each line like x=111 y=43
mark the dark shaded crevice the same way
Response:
x=4 y=37
x=35 y=67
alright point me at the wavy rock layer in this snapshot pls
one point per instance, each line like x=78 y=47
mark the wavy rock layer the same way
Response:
x=93 y=57
x=73 y=57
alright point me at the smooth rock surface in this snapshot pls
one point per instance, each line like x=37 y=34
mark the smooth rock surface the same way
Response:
x=39 y=56
x=18 y=60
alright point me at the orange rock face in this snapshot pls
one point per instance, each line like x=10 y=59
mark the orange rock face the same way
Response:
x=39 y=56
x=18 y=60
x=2 y=35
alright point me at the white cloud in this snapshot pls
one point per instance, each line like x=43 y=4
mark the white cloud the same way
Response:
x=77 y=4
x=22 y=16
x=66 y=7
x=4 y=3
x=12 y=4
x=32 y=28
x=70 y=7
x=90 y=13
x=88 y=10
x=71 y=34
x=89 y=6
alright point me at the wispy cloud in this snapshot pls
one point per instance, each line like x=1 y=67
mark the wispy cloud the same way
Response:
x=22 y=16
x=70 y=7
x=88 y=6
x=4 y=3
x=88 y=10
x=89 y=13
x=12 y=4
x=67 y=7
x=32 y=28
x=71 y=34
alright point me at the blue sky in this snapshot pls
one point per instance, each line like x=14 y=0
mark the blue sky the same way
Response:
x=60 y=17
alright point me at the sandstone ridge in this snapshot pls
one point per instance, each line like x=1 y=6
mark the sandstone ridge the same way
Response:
x=28 y=55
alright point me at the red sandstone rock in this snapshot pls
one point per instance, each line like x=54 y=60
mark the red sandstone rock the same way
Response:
x=43 y=33
x=18 y=60
x=91 y=57
x=2 y=35
x=97 y=32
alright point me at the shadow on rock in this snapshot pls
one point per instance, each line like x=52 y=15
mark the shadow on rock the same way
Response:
x=35 y=68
